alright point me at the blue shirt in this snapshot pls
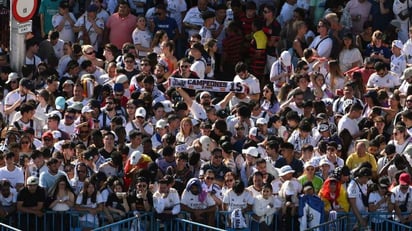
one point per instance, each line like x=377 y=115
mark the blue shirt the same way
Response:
x=168 y=24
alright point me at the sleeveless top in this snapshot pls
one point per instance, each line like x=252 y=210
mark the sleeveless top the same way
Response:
x=62 y=206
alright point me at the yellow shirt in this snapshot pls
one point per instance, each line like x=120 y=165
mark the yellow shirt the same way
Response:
x=354 y=161
x=260 y=39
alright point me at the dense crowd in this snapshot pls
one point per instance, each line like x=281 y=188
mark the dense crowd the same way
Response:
x=321 y=122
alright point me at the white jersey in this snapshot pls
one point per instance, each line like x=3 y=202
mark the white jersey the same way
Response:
x=176 y=8
x=172 y=202
x=388 y=81
x=89 y=204
x=58 y=48
x=192 y=201
x=235 y=201
x=407 y=51
x=398 y=64
x=142 y=38
x=67 y=33
x=251 y=82
x=355 y=190
x=89 y=27
x=15 y=96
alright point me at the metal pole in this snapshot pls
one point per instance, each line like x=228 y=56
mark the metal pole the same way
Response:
x=17 y=45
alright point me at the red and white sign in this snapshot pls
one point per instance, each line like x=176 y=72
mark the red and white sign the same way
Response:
x=24 y=10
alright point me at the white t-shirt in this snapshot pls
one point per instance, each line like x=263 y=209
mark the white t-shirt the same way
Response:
x=172 y=201
x=235 y=201
x=67 y=33
x=15 y=177
x=192 y=201
x=193 y=16
x=374 y=198
x=400 y=197
x=205 y=34
x=143 y=38
x=89 y=217
x=251 y=82
x=10 y=200
x=322 y=45
x=388 y=81
x=199 y=67
x=14 y=96
x=354 y=192
x=349 y=56
x=350 y=124
x=58 y=48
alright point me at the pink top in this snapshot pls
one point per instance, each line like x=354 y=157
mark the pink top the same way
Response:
x=121 y=29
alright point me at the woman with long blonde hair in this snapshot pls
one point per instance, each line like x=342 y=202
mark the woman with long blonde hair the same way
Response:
x=185 y=134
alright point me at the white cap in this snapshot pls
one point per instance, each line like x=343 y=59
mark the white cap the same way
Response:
x=135 y=157
x=205 y=141
x=32 y=180
x=286 y=170
x=12 y=76
x=195 y=122
x=397 y=43
x=161 y=123
x=261 y=121
x=121 y=79
x=53 y=113
x=323 y=162
x=140 y=112
x=251 y=151
x=167 y=105
x=285 y=58
x=253 y=131
x=204 y=93
x=87 y=108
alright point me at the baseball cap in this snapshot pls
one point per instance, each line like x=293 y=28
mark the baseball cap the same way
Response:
x=135 y=157
x=87 y=108
x=286 y=170
x=285 y=58
x=60 y=103
x=77 y=106
x=121 y=79
x=167 y=105
x=323 y=127
x=140 y=112
x=56 y=115
x=161 y=123
x=405 y=179
x=69 y=81
x=261 y=121
x=47 y=134
x=251 y=151
x=12 y=76
x=204 y=93
x=407 y=73
x=118 y=87
x=397 y=43
x=253 y=131
x=32 y=180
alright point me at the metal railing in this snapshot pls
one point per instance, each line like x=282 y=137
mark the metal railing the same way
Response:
x=188 y=225
x=4 y=227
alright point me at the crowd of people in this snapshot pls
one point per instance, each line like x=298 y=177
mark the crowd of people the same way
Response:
x=323 y=120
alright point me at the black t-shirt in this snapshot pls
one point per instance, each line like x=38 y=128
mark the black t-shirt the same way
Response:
x=139 y=201
x=115 y=202
x=31 y=199
x=105 y=153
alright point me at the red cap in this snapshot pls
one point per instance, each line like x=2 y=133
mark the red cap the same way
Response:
x=405 y=179
x=47 y=134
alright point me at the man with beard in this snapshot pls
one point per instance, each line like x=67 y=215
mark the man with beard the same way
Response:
x=201 y=209
x=30 y=202
x=48 y=178
x=198 y=109
x=107 y=113
x=295 y=102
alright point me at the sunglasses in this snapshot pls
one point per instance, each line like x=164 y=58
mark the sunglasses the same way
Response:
x=69 y=117
x=210 y=178
x=184 y=66
x=89 y=53
x=409 y=101
x=218 y=156
x=142 y=185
